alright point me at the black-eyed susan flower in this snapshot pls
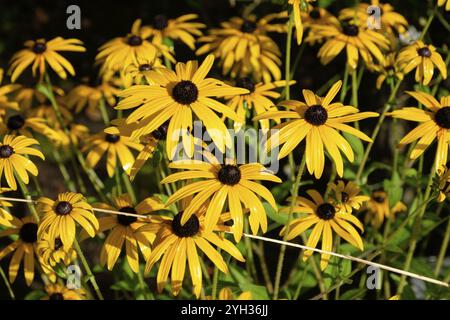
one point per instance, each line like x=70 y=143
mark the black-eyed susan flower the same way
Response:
x=115 y=146
x=13 y=160
x=124 y=231
x=446 y=2
x=40 y=52
x=23 y=248
x=78 y=133
x=139 y=72
x=224 y=182
x=354 y=38
x=325 y=218
x=59 y=217
x=29 y=96
x=423 y=58
x=181 y=28
x=443 y=184
x=59 y=292
x=434 y=125
x=258 y=100
x=318 y=121
x=178 y=244
x=53 y=252
x=89 y=96
x=120 y=52
x=244 y=48
x=20 y=124
x=175 y=96
x=346 y=196
x=389 y=20
x=5 y=102
x=378 y=208
x=5 y=217
x=389 y=69
x=316 y=16
x=298 y=6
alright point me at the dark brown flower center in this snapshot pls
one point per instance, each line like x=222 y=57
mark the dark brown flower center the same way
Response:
x=246 y=83
x=56 y=296
x=424 y=52
x=28 y=232
x=161 y=132
x=344 y=196
x=316 y=115
x=315 y=14
x=350 y=29
x=58 y=243
x=15 y=122
x=185 y=92
x=39 y=47
x=63 y=208
x=190 y=228
x=6 y=151
x=248 y=26
x=326 y=211
x=160 y=22
x=126 y=220
x=112 y=138
x=145 y=67
x=134 y=40
x=229 y=174
x=442 y=117
x=379 y=198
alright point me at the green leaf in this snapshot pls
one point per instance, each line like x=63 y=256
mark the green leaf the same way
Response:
x=281 y=218
x=353 y=294
x=122 y=285
x=35 y=295
x=325 y=3
x=258 y=292
x=356 y=145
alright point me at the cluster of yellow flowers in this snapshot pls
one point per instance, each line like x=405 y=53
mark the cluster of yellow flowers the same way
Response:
x=156 y=100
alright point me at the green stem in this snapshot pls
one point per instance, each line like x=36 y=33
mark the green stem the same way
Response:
x=129 y=186
x=27 y=196
x=443 y=250
x=117 y=179
x=64 y=172
x=375 y=132
x=344 y=84
x=250 y=261
x=300 y=283
x=215 y=280
x=415 y=232
x=294 y=193
x=103 y=111
x=428 y=24
x=264 y=267
x=8 y=286
x=89 y=273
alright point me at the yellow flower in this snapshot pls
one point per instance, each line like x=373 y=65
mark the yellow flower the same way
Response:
x=316 y=16
x=60 y=292
x=177 y=245
x=115 y=146
x=40 y=52
x=19 y=124
x=244 y=49
x=181 y=28
x=227 y=294
x=125 y=230
x=357 y=41
x=59 y=217
x=259 y=99
x=13 y=161
x=78 y=133
x=317 y=120
x=446 y=2
x=24 y=247
x=325 y=218
x=120 y=52
x=139 y=72
x=5 y=216
x=174 y=96
x=434 y=125
x=222 y=182
x=389 y=69
x=5 y=102
x=444 y=184
x=90 y=95
x=150 y=143
x=389 y=19
x=53 y=252
x=29 y=97
x=423 y=58
x=347 y=196
x=298 y=6
x=378 y=208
